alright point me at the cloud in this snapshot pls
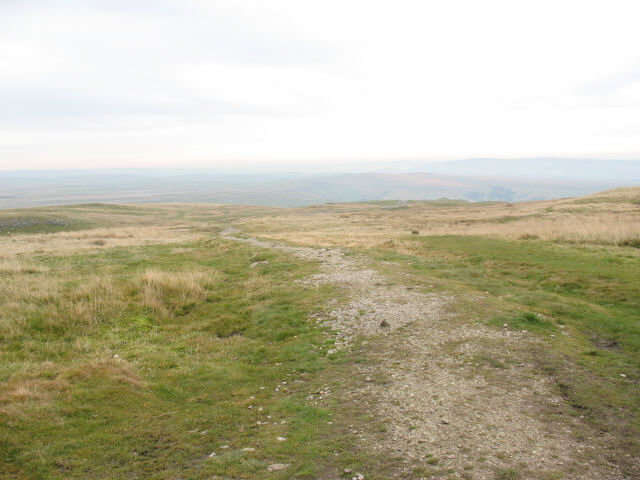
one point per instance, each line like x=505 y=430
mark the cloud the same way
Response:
x=201 y=81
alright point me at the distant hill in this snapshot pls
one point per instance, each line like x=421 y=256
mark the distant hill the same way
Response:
x=21 y=189
x=542 y=168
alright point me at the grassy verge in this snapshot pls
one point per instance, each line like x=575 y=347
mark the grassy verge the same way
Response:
x=582 y=301
x=141 y=362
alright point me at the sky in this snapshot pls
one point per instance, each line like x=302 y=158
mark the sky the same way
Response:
x=126 y=83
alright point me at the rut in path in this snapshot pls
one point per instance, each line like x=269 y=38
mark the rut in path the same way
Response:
x=435 y=403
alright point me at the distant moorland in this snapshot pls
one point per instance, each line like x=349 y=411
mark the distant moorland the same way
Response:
x=473 y=180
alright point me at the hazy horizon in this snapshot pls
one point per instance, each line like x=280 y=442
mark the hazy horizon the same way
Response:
x=471 y=180
x=332 y=165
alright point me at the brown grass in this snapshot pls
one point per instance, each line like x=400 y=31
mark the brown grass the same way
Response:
x=94 y=239
x=612 y=218
x=163 y=291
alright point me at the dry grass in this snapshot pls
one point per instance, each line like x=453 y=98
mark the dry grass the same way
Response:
x=164 y=292
x=612 y=218
x=94 y=239
x=12 y=265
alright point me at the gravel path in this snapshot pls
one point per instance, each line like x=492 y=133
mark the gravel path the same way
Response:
x=444 y=411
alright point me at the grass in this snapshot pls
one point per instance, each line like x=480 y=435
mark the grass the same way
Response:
x=595 y=290
x=582 y=301
x=134 y=345
x=163 y=358
x=507 y=474
x=585 y=221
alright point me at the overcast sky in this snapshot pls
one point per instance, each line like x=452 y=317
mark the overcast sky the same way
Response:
x=116 y=83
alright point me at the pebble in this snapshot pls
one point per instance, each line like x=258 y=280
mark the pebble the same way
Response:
x=623 y=375
x=204 y=432
x=358 y=476
x=212 y=454
x=224 y=446
x=277 y=466
x=281 y=439
x=347 y=470
x=248 y=449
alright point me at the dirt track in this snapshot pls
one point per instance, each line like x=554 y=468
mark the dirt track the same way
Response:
x=443 y=410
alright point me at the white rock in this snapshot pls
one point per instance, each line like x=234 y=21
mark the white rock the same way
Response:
x=248 y=449
x=277 y=466
x=281 y=439
x=212 y=454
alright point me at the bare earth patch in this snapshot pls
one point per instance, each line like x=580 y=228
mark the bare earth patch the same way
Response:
x=451 y=403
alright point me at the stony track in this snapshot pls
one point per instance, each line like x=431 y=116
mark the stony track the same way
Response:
x=443 y=411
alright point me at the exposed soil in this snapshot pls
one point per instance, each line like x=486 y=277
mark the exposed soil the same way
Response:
x=457 y=398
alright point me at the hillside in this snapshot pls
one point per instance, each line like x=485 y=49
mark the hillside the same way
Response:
x=473 y=180
x=385 y=339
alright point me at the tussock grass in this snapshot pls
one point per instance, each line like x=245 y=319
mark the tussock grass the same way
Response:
x=167 y=293
x=122 y=357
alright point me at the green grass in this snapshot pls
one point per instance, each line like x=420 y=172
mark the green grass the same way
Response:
x=150 y=391
x=583 y=301
x=507 y=474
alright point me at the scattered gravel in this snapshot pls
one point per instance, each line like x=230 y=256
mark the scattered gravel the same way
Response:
x=435 y=403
